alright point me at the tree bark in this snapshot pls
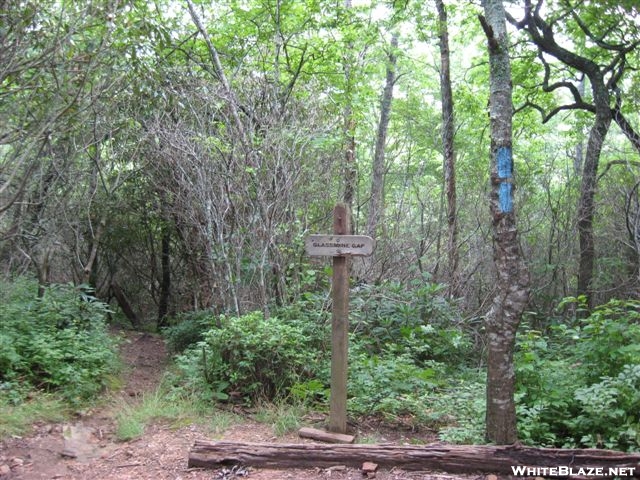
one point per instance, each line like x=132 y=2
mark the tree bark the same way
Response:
x=512 y=286
x=88 y=270
x=350 y=167
x=165 y=280
x=449 y=458
x=377 y=177
x=125 y=306
x=626 y=128
x=448 y=129
x=586 y=204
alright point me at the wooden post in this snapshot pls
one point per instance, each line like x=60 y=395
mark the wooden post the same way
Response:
x=341 y=246
x=340 y=327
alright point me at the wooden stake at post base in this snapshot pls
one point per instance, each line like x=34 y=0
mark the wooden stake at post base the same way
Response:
x=322 y=436
x=339 y=328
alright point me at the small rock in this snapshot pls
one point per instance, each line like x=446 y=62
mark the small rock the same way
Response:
x=368 y=467
x=16 y=462
x=337 y=468
x=492 y=477
x=4 y=470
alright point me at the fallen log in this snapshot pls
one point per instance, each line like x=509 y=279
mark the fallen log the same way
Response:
x=448 y=458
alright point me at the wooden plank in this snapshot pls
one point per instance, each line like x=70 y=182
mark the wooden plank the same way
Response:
x=322 y=436
x=339 y=328
x=338 y=245
x=448 y=458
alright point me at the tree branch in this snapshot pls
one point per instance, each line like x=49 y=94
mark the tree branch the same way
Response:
x=599 y=41
x=610 y=164
x=626 y=127
x=493 y=42
x=219 y=71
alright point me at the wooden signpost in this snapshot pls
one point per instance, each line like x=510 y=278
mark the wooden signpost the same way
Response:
x=341 y=246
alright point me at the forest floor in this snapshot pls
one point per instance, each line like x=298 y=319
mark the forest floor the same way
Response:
x=87 y=447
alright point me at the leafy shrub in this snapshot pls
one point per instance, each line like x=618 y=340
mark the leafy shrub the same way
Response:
x=250 y=356
x=311 y=313
x=57 y=342
x=578 y=387
x=609 y=339
x=187 y=330
x=395 y=388
x=413 y=318
x=405 y=345
x=609 y=411
x=389 y=385
x=458 y=410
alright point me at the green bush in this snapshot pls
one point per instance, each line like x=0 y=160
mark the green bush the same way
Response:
x=55 y=343
x=406 y=347
x=249 y=357
x=578 y=387
x=413 y=318
x=609 y=339
x=610 y=411
x=457 y=411
x=187 y=330
x=389 y=385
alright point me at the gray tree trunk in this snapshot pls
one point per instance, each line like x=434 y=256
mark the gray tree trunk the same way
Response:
x=586 y=204
x=448 y=130
x=512 y=286
x=350 y=169
x=377 y=177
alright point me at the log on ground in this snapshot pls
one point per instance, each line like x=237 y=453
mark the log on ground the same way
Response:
x=448 y=458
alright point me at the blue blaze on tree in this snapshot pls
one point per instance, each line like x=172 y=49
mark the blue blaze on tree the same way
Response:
x=505 y=175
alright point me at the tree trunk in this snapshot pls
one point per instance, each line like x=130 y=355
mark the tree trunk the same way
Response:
x=449 y=458
x=377 y=177
x=350 y=168
x=512 y=286
x=578 y=159
x=586 y=204
x=125 y=305
x=448 y=128
x=165 y=281
x=88 y=271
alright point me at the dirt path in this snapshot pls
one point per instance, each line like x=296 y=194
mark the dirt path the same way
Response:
x=87 y=449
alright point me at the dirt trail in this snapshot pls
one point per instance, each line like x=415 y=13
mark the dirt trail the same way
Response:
x=86 y=448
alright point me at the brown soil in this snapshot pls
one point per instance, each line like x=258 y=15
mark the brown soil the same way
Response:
x=87 y=449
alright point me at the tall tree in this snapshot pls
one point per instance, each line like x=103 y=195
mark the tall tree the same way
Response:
x=604 y=67
x=349 y=125
x=448 y=129
x=512 y=286
x=377 y=176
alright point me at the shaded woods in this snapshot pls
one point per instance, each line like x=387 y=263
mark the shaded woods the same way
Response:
x=170 y=160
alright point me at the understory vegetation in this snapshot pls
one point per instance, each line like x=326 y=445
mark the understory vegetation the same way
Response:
x=415 y=364
x=55 y=351
x=164 y=166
